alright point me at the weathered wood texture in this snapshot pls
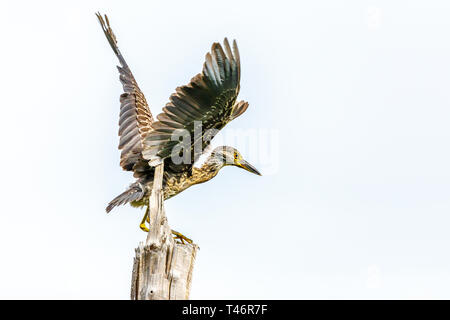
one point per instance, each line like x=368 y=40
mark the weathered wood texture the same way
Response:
x=162 y=268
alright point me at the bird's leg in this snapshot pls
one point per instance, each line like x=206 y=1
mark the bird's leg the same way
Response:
x=177 y=236
x=180 y=237
x=145 y=218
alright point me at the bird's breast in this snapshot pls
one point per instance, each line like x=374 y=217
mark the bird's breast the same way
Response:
x=181 y=182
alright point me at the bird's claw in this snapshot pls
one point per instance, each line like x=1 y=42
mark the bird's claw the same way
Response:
x=181 y=238
x=143 y=227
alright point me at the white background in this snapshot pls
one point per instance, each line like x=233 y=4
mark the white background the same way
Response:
x=357 y=205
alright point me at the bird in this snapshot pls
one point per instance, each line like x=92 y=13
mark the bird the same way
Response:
x=199 y=110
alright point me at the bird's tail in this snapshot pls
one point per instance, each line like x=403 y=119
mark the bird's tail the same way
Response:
x=133 y=193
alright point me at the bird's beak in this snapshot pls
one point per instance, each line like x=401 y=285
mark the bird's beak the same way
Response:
x=247 y=166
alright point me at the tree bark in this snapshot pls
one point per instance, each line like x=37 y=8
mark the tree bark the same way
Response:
x=162 y=267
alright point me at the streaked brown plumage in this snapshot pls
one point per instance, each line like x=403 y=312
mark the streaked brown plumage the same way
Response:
x=209 y=99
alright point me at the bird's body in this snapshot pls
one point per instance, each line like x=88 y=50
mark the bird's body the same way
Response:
x=139 y=192
x=180 y=182
x=198 y=110
x=173 y=184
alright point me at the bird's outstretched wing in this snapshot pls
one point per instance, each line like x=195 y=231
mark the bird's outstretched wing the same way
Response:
x=135 y=117
x=209 y=99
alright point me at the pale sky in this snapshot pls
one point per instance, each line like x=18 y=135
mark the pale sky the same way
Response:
x=349 y=102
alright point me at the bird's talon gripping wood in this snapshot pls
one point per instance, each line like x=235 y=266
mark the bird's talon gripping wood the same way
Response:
x=181 y=237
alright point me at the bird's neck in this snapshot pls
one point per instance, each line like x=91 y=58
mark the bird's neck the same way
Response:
x=212 y=164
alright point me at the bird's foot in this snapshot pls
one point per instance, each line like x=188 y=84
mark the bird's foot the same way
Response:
x=146 y=217
x=180 y=237
x=143 y=227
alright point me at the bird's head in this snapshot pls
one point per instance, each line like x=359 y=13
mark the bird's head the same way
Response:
x=229 y=156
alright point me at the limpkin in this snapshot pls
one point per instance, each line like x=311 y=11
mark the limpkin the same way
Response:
x=206 y=104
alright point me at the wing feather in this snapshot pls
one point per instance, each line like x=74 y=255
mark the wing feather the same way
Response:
x=135 y=118
x=209 y=99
